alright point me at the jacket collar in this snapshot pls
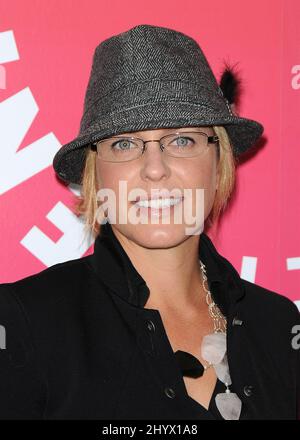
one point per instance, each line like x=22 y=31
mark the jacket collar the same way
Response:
x=115 y=269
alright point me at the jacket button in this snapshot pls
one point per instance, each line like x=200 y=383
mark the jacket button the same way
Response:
x=170 y=393
x=150 y=326
x=248 y=390
x=237 y=321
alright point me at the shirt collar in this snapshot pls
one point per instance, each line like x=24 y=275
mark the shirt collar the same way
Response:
x=115 y=269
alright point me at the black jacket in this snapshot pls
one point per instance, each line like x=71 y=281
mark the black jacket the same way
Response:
x=80 y=345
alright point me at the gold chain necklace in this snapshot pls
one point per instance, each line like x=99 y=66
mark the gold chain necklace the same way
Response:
x=219 y=320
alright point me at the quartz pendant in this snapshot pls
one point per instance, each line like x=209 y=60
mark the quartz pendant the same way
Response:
x=222 y=371
x=213 y=347
x=229 y=405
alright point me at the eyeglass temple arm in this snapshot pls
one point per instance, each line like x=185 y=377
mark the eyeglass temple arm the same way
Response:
x=212 y=139
x=93 y=146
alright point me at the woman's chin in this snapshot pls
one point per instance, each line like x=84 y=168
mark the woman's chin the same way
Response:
x=155 y=235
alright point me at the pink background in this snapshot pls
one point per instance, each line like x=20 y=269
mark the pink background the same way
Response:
x=55 y=41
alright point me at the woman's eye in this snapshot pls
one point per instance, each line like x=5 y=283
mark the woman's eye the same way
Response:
x=183 y=141
x=123 y=144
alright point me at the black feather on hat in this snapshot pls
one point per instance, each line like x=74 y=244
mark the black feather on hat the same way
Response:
x=230 y=84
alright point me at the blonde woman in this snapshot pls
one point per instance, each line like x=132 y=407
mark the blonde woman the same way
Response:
x=155 y=324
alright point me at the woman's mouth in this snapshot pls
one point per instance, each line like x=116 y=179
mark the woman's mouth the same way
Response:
x=157 y=207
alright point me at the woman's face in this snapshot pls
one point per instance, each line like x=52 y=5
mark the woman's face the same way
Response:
x=155 y=170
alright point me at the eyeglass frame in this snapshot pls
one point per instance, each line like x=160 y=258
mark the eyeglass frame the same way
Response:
x=210 y=140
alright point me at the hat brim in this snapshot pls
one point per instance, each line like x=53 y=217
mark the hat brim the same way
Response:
x=69 y=160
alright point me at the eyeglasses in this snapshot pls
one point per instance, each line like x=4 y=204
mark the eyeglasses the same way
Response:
x=179 y=144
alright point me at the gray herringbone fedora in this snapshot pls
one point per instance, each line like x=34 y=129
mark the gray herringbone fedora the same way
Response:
x=145 y=78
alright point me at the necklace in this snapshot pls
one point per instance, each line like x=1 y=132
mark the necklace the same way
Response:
x=219 y=321
x=214 y=351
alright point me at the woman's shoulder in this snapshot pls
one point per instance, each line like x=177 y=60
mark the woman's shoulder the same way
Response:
x=55 y=274
x=44 y=288
x=268 y=306
x=257 y=293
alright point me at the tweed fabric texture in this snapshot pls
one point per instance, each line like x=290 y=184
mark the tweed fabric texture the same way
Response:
x=146 y=78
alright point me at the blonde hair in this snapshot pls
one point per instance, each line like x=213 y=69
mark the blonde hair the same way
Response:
x=86 y=204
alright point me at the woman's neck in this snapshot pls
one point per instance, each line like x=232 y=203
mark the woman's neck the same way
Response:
x=173 y=275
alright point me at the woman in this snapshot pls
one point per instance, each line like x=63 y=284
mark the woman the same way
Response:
x=155 y=324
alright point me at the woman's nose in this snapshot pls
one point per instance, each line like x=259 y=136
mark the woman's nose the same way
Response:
x=155 y=166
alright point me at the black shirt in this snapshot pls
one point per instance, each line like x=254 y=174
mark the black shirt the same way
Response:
x=80 y=344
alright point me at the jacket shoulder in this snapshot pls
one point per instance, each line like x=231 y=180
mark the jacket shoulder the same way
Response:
x=50 y=284
x=27 y=305
x=270 y=305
